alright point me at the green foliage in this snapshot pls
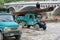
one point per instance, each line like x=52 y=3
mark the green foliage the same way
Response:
x=1 y=3
x=7 y=1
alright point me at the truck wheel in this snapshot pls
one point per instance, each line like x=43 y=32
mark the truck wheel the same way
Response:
x=36 y=26
x=28 y=26
x=17 y=37
x=1 y=36
x=44 y=28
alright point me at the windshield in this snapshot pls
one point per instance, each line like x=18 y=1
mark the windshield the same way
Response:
x=5 y=17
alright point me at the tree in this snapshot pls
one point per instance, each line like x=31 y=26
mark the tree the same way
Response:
x=7 y=1
x=1 y=3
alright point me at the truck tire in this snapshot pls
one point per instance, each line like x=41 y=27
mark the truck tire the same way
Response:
x=17 y=37
x=28 y=26
x=36 y=27
x=1 y=36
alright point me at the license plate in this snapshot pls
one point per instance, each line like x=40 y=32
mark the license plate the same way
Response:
x=13 y=28
x=11 y=34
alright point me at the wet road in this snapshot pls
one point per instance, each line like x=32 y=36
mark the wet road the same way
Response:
x=52 y=33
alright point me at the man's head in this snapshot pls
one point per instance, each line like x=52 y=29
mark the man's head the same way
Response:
x=37 y=2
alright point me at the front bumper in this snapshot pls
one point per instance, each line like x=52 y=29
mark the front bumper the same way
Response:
x=12 y=33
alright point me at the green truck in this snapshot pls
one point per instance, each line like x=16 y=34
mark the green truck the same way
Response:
x=31 y=19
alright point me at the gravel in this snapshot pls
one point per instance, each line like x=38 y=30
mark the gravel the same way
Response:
x=52 y=33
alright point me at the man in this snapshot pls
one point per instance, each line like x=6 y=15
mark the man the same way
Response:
x=38 y=5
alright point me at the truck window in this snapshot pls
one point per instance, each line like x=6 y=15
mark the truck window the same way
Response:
x=31 y=17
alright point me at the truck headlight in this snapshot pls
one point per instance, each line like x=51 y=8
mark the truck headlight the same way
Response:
x=19 y=28
x=6 y=29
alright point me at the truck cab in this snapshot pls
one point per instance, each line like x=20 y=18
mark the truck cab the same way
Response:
x=29 y=19
x=9 y=28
